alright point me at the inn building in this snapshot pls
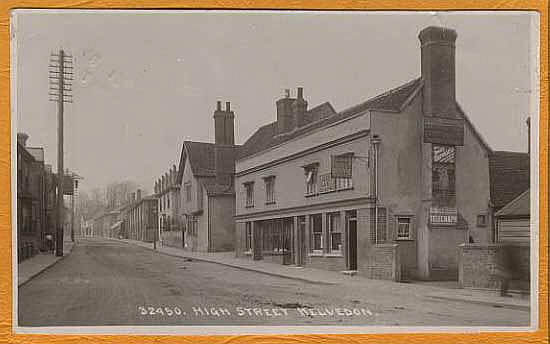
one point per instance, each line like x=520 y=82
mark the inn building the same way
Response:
x=388 y=188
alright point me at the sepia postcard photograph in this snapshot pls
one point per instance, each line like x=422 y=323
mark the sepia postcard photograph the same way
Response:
x=239 y=171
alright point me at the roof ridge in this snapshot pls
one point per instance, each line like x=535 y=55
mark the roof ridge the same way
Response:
x=384 y=94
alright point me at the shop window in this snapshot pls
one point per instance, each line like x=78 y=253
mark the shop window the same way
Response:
x=269 y=189
x=335 y=233
x=248 y=236
x=403 y=228
x=311 y=173
x=316 y=224
x=378 y=234
x=249 y=191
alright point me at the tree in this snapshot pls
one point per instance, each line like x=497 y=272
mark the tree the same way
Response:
x=118 y=193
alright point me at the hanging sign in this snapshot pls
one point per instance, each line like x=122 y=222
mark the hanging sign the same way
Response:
x=446 y=131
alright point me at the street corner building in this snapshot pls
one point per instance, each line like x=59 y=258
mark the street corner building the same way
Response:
x=206 y=178
x=388 y=189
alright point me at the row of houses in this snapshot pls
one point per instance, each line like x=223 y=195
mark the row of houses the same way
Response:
x=36 y=200
x=399 y=186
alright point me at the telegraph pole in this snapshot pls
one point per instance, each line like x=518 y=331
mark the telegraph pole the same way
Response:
x=60 y=75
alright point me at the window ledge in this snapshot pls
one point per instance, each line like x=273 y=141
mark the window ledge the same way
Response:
x=270 y=202
x=248 y=253
x=249 y=206
x=311 y=194
x=345 y=189
x=404 y=239
x=334 y=255
x=315 y=254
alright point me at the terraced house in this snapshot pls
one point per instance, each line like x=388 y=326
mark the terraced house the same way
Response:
x=388 y=188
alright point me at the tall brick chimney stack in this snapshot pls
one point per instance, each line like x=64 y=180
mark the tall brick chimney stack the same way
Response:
x=224 y=125
x=224 y=149
x=285 y=116
x=438 y=71
x=299 y=107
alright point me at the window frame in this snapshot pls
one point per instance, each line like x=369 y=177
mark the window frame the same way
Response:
x=314 y=233
x=410 y=229
x=249 y=194
x=335 y=216
x=312 y=186
x=269 y=184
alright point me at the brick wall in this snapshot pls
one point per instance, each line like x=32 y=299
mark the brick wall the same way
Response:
x=331 y=263
x=480 y=265
x=383 y=263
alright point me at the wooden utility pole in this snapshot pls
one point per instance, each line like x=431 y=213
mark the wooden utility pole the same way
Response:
x=60 y=75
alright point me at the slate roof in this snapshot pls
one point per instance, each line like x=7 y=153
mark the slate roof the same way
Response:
x=267 y=136
x=509 y=176
x=519 y=206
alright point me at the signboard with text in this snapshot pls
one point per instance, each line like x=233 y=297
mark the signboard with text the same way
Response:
x=442 y=216
x=446 y=131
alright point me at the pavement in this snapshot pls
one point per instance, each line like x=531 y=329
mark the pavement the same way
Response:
x=448 y=291
x=110 y=282
x=33 y=266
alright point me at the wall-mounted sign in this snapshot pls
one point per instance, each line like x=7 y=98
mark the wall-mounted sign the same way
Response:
x=443 y=216
x=445 y=131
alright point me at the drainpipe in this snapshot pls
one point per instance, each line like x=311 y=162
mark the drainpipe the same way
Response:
x=375 y=143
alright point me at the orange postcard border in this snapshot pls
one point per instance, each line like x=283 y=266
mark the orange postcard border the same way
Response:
x=6 y=330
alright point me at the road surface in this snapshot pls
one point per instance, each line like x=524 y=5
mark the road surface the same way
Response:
x=112 y=283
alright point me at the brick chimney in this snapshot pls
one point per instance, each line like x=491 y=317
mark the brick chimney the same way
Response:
x=22 y=139
x=285 y=115
x=299 y=108
x=138 y=194
x=224 y=125
x=438 y=71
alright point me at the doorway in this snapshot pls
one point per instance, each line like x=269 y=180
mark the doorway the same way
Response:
x=352 y=241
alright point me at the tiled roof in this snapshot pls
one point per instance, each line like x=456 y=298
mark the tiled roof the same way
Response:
x=267 y=136
x=519 y=206
x=201 y=157
x=509 y=176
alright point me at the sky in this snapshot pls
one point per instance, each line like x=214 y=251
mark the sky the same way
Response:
x=146 y=81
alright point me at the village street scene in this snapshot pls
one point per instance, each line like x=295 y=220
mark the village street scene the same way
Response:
x=400 y=207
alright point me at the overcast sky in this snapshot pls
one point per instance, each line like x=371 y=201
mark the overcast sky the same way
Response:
x=147 y=81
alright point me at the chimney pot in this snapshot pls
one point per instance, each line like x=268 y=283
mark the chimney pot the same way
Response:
x=287 y=93
x=138 y=194
x=219 y=106
x=300 y=93
x=227 y=106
